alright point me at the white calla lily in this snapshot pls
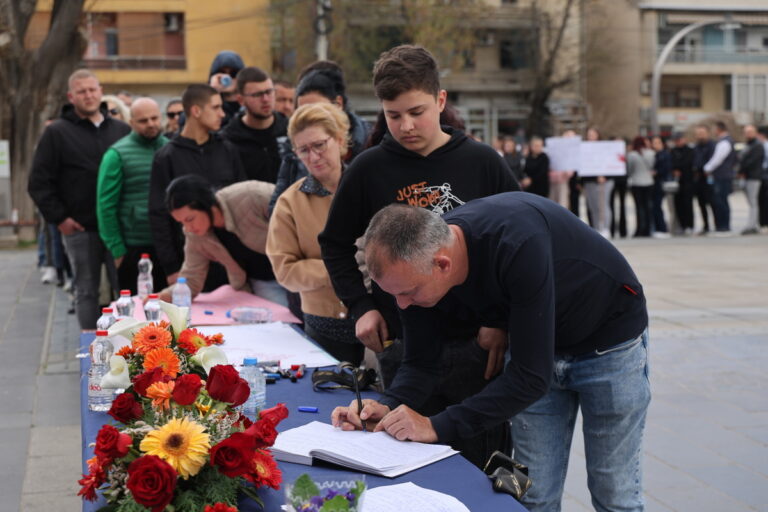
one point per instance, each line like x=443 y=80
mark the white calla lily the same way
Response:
x=208 y=357
x=177 y=316
x=117 y=377
x=126 y=327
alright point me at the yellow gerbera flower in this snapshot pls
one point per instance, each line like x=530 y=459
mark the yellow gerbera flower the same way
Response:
x=181 y=443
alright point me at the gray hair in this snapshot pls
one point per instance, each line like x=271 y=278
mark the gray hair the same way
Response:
x=404 y=233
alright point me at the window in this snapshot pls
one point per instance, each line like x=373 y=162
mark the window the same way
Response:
x=111 y=40
x=515 y=53
x=681 y=96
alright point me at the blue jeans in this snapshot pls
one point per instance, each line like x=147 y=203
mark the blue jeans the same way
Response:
x=721 y=189
x=613 y=391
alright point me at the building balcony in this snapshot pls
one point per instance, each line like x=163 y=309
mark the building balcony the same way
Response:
x=717 y=55
x=136 y=62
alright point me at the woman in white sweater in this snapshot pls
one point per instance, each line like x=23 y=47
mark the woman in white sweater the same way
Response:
x=640 y=181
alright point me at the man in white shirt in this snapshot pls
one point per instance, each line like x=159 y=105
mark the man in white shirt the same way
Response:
x=720 y=171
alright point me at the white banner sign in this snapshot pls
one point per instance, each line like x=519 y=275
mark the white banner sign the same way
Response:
x=603 y=158
x=563 y=153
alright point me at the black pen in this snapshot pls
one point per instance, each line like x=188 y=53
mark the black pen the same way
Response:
x=359 y=400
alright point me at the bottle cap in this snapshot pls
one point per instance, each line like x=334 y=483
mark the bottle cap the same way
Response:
x=102 y=333
x=125 y=292
x=153 y=296
x=145 y=255
x=250 y=361
x=106 y=310
x=181 y=280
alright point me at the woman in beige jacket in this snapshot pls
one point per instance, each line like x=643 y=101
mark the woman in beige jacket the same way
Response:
x=318 y=133
x=228 y=226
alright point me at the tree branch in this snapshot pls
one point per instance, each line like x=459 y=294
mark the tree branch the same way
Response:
x=64 y=32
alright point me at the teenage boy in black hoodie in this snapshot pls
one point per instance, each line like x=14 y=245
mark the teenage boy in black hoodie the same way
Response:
x=62 y=184
x=196 y=150
x=424 y=164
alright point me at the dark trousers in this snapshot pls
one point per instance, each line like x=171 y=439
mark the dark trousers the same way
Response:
x=619 y=192
x=704 y=198
x=720 y=191
x=643 y=197
x=574 y=191
x=684 y=204
x=659 y=223
x=128 y=272
x=762 y=202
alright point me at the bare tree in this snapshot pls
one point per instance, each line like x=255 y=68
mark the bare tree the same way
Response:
x=549 y=73
x=32 y=82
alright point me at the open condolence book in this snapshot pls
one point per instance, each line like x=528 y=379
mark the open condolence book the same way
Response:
x=376 y=453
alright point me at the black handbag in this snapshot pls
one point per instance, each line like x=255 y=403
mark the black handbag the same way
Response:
x=507 y=475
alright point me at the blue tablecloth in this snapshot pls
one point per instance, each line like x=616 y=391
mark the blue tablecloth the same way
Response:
x=454 y=475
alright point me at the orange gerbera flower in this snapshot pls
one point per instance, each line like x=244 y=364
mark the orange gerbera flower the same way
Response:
x=126 y=351
x=190 y=340
x=151 y=337
x=160 y=393
x=216 y=339
x=164 y=358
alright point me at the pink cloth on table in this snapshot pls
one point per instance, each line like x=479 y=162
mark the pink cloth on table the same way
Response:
x=224 y=298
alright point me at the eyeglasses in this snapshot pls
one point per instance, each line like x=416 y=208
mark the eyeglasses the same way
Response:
x=260 y=94
x=317 y=148
x=172 y=115
x=113 y=111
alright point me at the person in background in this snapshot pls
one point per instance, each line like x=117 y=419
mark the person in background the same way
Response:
x=223 y=77
x=662 y=172
x=513 y=158
x=498 y=145
x=762 y=198
x=559 y=180
x=173 y=111
x=682 y=170
x=619 y=211
x=702 y=152
x=719 y=171
x=62 y=183
x=198 y=149
x=536 y=170
x=116 y=108
x=640 y=181
x=126 y=97
x=751 y=170
x=319 y=133
x=228 y=226
x=123 y=192
x=284 y=97
x=597 y=191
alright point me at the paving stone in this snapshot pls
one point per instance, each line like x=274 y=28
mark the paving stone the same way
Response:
x=52 y=473
x=58 y=400
x=737 y=482
x=51 y=501
x=703 y=498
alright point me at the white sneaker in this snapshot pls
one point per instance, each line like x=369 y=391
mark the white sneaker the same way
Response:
x=68 y=285
x=661 y=234
x=721 y=234
x=49 y=275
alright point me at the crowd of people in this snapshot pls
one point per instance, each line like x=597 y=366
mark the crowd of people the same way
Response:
x=271 y=188
x=665 y=178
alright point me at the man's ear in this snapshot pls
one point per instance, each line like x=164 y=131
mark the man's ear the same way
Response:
x=442 y=262
x=442 y=98
x=194 y=111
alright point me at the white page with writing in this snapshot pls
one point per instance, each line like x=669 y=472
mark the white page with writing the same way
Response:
x=377 y=452
x=409 y=496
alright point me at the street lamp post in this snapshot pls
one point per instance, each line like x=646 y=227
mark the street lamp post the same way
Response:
x=662 y=59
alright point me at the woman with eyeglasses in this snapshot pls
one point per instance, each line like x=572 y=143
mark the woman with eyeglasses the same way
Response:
x=319 y=134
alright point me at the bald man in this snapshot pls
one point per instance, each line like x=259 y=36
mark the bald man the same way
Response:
x=123 y=194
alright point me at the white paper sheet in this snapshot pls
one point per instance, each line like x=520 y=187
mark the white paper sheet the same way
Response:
x=409 y=496
x=563 y=153
x=269 y=342
x=603 y=158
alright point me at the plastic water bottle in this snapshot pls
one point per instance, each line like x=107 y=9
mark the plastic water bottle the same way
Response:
x=182 y=296
x=250 y=315
x=144 y=284
x=124 y=304
x=101 y=350
x=152 y=308
x=257 y=400
x=106 y=320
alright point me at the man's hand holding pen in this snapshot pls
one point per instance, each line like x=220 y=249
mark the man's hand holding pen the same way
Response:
x=402 y=423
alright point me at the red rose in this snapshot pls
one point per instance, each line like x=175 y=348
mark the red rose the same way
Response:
x=152 y=482
x=111 y=444
x=146 y=379
x=225 y=385
x=234 y=455
x=274 y=414
x=264 y=433
x=187 y=388
x=219 y=507
x=125 y=408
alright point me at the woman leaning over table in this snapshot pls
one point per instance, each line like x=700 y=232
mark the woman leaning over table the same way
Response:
x=228 y=226
x=319 y=135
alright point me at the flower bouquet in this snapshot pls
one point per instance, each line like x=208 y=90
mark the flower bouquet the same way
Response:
x=180 y=444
